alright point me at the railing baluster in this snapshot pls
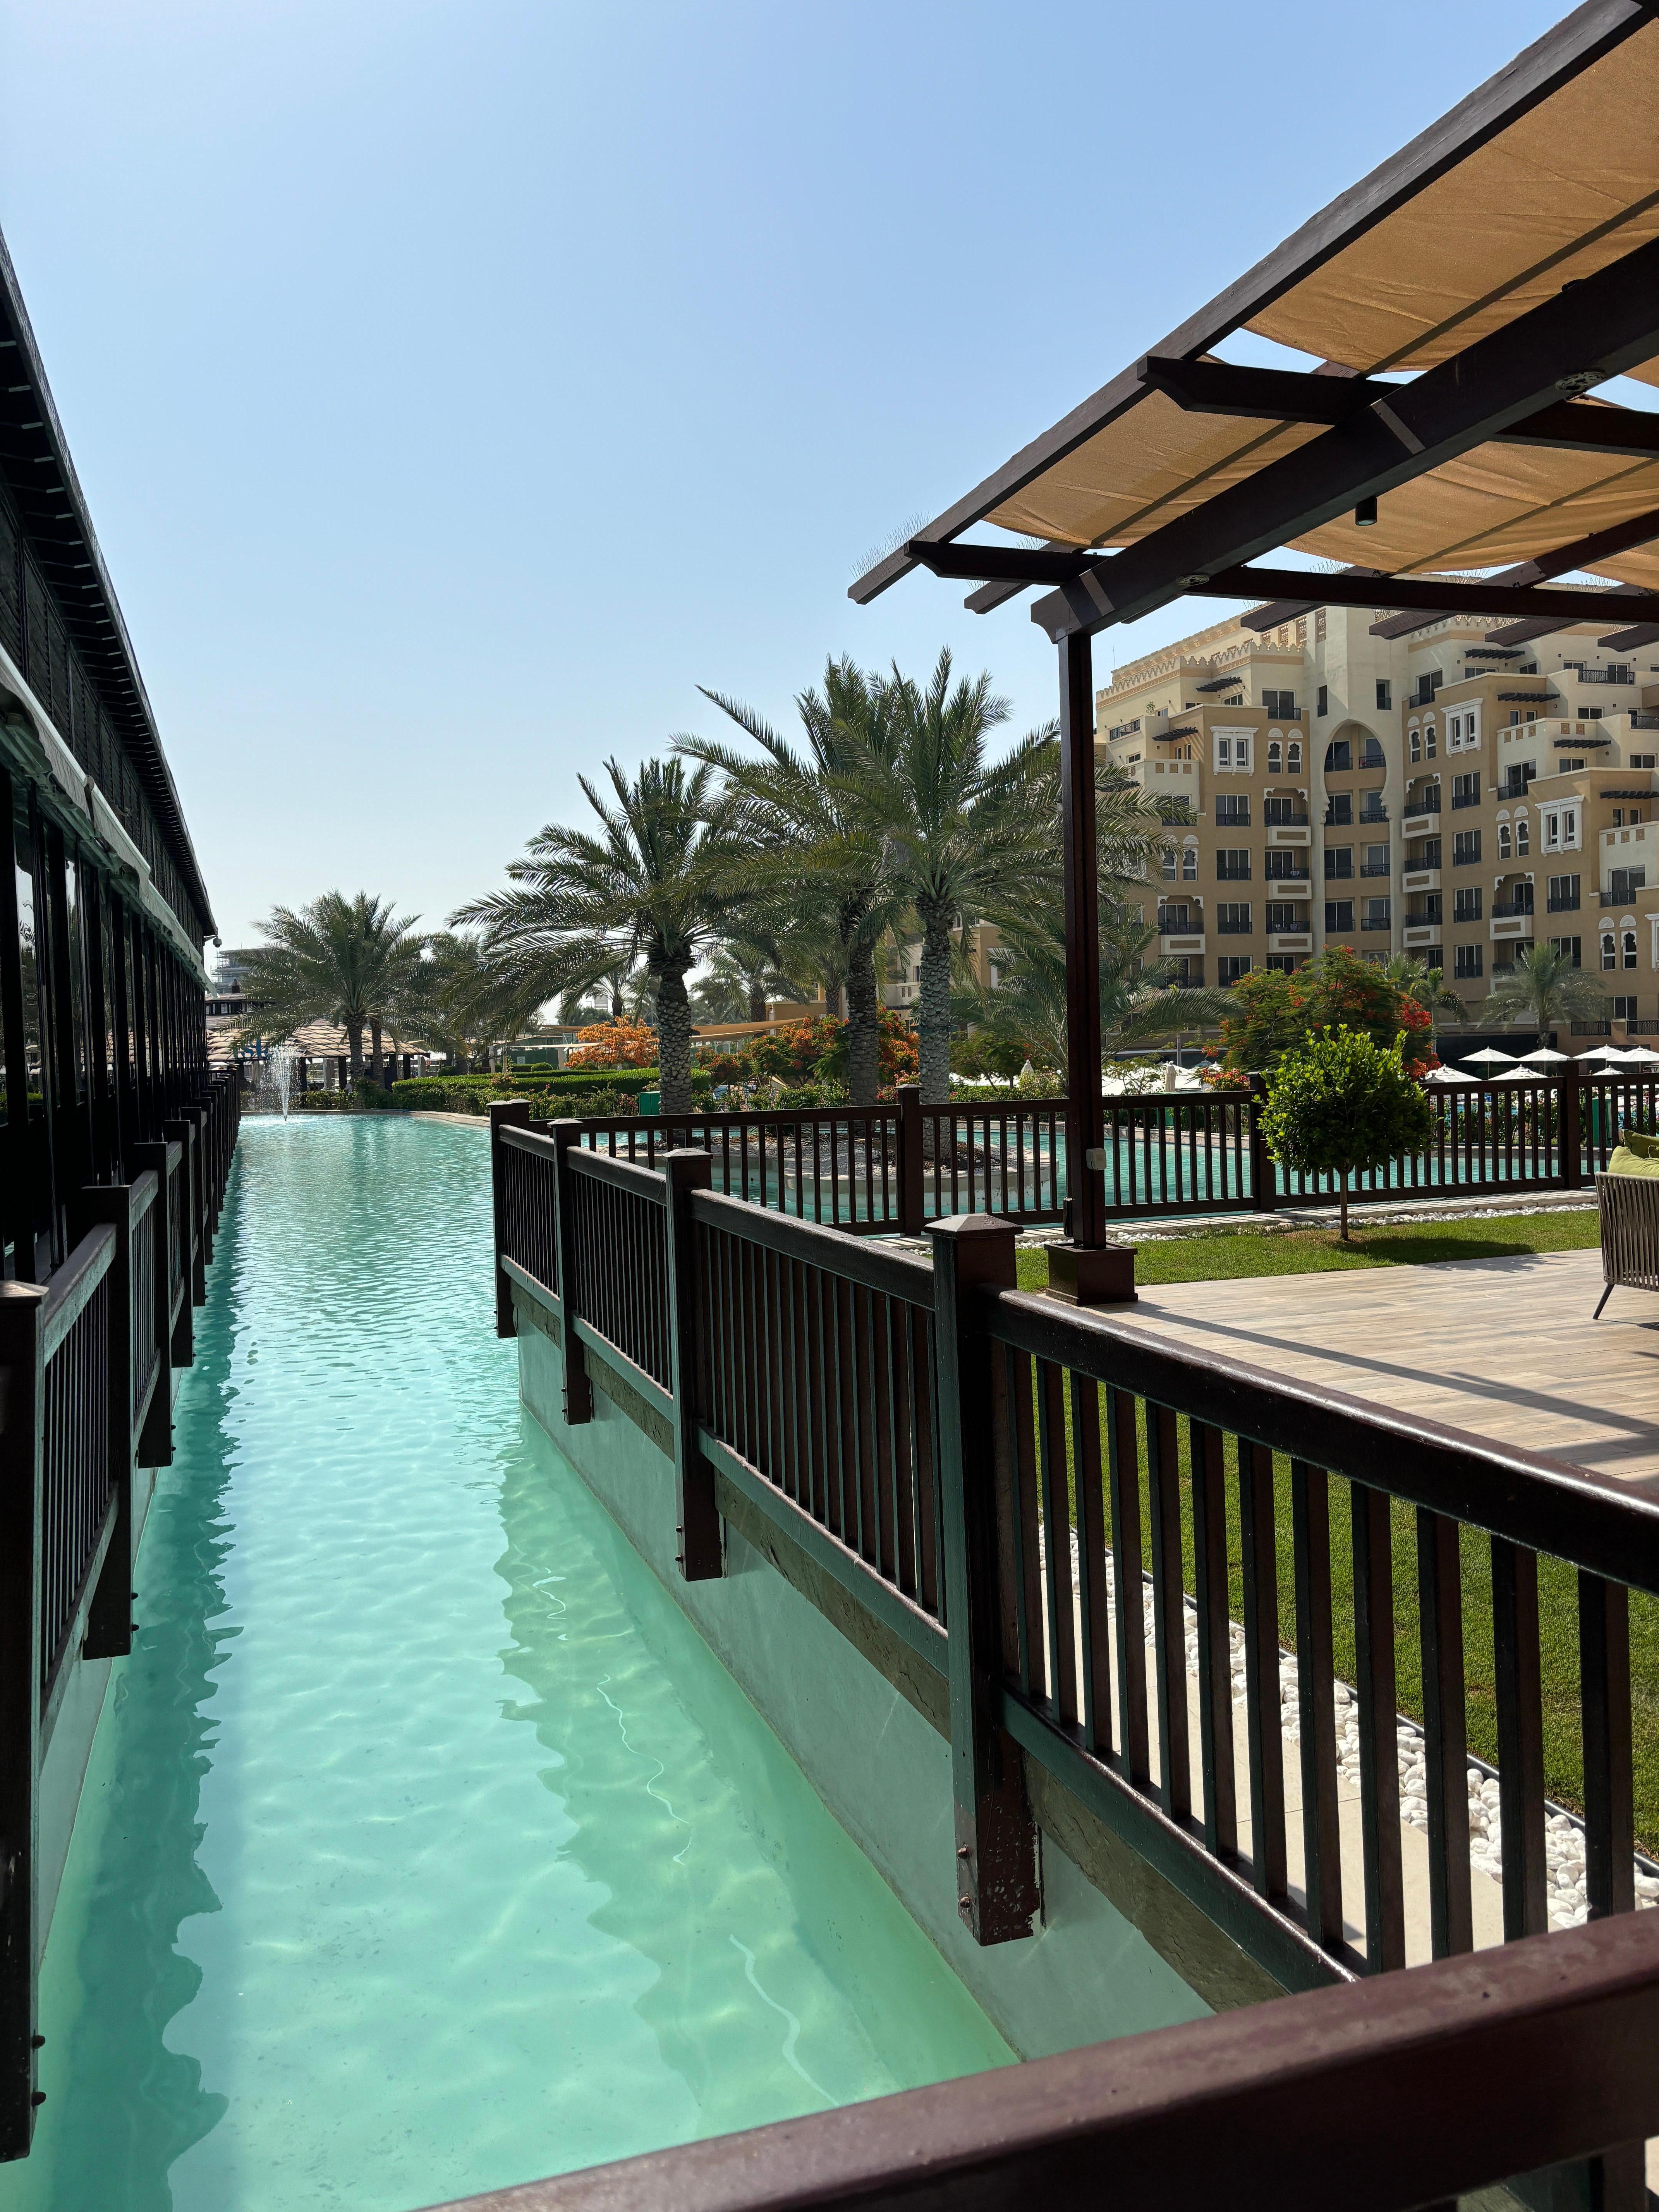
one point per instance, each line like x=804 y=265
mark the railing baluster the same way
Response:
x=1379 y=1751
x=1440 y=1615
x=1169 y=1611
x=1605 y=1704
x=1215 y=1680
x=1520 y=1716
x=1123 y=1481
x=1310 y=1530
x=1057 y=1540
x=1259 y=1556
x=1094 y=1606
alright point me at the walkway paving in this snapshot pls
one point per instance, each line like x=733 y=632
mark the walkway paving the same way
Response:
x=1505 y=1347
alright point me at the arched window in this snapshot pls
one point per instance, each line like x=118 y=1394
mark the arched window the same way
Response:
x=1502 y=841
x=1273 y=759
x=1428 y=740
x=1339 y=754
x=1372 y=755
x=1293 y=757
x=1609 y=953
x=1630 y=948
x=1169 y=864
x=1416 y=746
x=1522 y=837
x=1189 y=861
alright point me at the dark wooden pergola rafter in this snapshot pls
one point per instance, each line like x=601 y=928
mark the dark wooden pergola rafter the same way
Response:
x=1500 y=370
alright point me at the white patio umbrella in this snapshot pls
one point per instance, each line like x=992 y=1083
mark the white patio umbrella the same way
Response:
x=1640 y=1055
x=1603 y=1051
x=1489 y=1056
x=1448 y=1075
x=1544 y=1057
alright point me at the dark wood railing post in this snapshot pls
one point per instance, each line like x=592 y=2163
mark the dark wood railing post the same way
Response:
x=183 y=1133
x=1264 y=1179
x=566 y=1135
x=998 y=1891
x=1570 y=1131
x=911 y=1171
x=504 y=1113
x=155 y=1442
x=700 y=1557
x=22 y=1375
x=109 y=1616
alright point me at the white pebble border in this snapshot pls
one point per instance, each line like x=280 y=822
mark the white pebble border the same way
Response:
x=1564 y=1832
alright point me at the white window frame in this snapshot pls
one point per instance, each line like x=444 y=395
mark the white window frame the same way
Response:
x=1234 y=752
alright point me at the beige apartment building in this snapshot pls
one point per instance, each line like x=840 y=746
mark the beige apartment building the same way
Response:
x=1426 y=791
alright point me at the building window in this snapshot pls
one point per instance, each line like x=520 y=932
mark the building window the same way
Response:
x=1624 y=1010
x=1280 y=703
x=1275 y=757
x=1339 y=917
x=1504 y=853
x=1284 y=920
x=1416 y=743
x=1319 y=623
x=1232 y=864
x=1465 y=849
x=1374 y=913
x=1609 y=949
x=1466 y=906
x=1644 y=760
x=1370 y=754
x=1339 y=861
x=1338 y=810
x=1466 y=790
x=1282 y=963
x=1564 y=894
x=1572 y=946
x=1293 y=757
x=1169 y=864
x=1469 y=960
x=1190 y=972
x=1560 y=829
x=1630 y=948
x=1375 y=862
x=1189 y=862
x=1231 y=966
x=1232 y=752
x=1428 y=741
x=1522 y=837
x=1281 y=811
x=1279 y=867
x=1324 y=706
x=1235 y=811
x=1232 y=921
x=1339 y=755
x=1384 y=693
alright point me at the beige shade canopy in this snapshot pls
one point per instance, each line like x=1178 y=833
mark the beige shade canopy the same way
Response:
x=1564 y=189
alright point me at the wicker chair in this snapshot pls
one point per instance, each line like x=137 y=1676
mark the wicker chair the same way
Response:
x=1630 y=1233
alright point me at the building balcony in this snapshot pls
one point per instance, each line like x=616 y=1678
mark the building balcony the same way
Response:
x=1368 y=815
x=1291 y=940
x=1382 y=868
x=1289 y=833
x=1170 y=946
x=1382 y=926
x=1465 y=799
x=1506 y=909
x=1420 y=879
x=1288 y=876
x=1420 y=821
x=1418 y=935
x=1562 y=905
x=1507 y=926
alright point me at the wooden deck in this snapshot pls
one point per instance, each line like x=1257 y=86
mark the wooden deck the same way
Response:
x=1504 y=1347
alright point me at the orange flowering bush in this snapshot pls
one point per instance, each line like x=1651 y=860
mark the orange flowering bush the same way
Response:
x=620 y=1042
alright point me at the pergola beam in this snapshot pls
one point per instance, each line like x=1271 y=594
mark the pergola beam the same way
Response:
x=1439 y=594
x=1607 y=323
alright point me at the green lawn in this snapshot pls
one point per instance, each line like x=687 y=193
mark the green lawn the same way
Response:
x=1241 y=1253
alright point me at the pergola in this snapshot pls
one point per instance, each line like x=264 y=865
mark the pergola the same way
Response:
x=1460 y=304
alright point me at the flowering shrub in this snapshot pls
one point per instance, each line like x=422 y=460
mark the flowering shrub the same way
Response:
x=1271 y=1014
x=620 y=1042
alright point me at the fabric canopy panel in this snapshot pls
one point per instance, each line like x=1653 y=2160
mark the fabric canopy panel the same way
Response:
x=1567 y=189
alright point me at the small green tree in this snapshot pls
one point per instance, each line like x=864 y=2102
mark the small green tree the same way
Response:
x=1340 y=1104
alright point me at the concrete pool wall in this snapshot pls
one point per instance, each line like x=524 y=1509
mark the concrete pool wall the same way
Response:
x=867 y=1721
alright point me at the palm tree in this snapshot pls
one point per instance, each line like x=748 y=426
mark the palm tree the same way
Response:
x=1547 y=992
x=811 y=848
x=337 y=959
x=459 y=999
x=1140 y=1003
x=966 y=838
x=656 y=886
x=1414 y=979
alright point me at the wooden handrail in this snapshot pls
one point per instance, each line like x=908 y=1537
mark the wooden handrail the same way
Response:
x=1382 y=2095
x=143 y=1188
x=626 y=1175
x=834 y=1250
x=73 y=1284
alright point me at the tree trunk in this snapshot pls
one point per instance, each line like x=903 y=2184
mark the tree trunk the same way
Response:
x=353 y=1031
x=757 y=999
x=1344 y=1206
x=377 y=1057
x=934 y=1013
x=673 y=1042
x=863 y=1027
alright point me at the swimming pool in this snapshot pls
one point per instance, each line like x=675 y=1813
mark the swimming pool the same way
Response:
x=426 y=1847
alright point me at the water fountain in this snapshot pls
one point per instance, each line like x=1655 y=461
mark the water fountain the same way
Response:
x=277 y=1075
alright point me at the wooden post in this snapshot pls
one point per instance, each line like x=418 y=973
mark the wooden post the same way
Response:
x=911 y=1171
x=1571 y=1130
x=998 y=1890
x=156 y=1441
x=578 y=1386
x=183 y=1134
x=700 y=1557
x=109 y=1616
x=22 y=1366
x=504 y=1113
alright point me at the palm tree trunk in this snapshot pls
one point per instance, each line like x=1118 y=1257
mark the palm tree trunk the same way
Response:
x=863 y=1027
x=934 y=1013
x=377 y=1059
x=673 y=1042
x=353 y=1031
x=757 y=999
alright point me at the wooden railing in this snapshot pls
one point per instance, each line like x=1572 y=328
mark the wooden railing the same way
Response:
x=1113 y=1550
x=86 y=1363
x=890 y=1169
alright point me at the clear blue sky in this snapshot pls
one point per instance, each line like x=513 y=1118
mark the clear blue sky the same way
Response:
x=457 y=383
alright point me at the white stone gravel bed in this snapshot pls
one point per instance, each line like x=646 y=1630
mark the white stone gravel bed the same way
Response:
x=1564 y=1834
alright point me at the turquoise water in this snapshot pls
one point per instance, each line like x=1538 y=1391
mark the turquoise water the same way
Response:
x=426 y=1848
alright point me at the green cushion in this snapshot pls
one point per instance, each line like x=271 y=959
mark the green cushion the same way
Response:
x=1644 y=1147
x=1627 y=1162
